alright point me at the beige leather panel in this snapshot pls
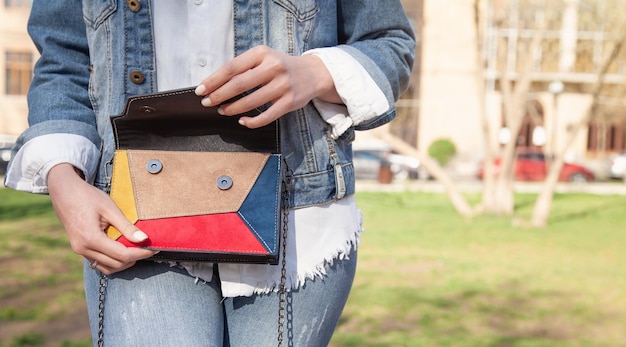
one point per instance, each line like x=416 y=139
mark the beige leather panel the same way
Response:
x=188 y=181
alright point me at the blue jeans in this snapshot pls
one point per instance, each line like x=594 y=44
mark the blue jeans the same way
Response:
x=153 y=304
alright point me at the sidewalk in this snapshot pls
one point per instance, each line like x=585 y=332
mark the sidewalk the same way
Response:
x=599 y=188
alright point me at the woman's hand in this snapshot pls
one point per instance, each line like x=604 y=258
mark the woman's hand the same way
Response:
x=85 y=212
x=288 y=82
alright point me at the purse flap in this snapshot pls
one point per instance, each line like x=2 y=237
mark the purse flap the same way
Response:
x=176 y=120
x=173 y=184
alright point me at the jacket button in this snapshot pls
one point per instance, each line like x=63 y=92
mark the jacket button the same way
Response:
x=133 y=5
x=137 y=77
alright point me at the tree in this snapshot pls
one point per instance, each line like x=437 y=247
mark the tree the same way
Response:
x=514 y=99
x=543 y=204
x=517 y=41
x=516 y=95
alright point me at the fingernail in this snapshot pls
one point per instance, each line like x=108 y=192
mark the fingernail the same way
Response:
x=220 y=111
x=200 y=90
x=206 y=102
x=140 y=235
x=241 y=122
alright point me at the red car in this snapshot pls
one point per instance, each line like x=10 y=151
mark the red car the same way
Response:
x=532 y=166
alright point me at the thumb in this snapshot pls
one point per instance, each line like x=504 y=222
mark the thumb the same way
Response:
x=128 y=230
x=120 y=225
x=134 y=234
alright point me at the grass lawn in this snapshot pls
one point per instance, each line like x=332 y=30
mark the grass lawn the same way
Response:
x=426 y=276
x=41 y=293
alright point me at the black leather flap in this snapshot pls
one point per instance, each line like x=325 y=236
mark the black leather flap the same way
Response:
x=175 y=120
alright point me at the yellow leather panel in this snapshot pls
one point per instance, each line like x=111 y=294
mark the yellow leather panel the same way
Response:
x=122 y=191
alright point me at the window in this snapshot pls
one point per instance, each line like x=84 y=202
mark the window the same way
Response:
x=606 y=136
x=19 y=72
x=16 y=3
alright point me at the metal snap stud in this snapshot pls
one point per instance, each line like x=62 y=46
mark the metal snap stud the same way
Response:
x=224 y=182
x=154 y=166
x=147 y=109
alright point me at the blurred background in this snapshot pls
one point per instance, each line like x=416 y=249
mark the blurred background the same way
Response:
x=490 y=75
x=494 y=203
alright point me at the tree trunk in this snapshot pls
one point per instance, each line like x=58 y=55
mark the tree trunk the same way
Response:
x=543 y=204
x=488 y=201
x=459 y=202
x=514 y=96
x=504 y=195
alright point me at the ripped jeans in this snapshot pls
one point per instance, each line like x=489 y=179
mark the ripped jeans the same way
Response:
x=153 y=304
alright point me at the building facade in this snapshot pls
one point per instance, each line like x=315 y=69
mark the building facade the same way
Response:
x=17 y=58
x=461 y=75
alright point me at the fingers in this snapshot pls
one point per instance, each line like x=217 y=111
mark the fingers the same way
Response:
x=273 y=93
x=113 y=216
x=258 y=78
x=260 y=69
x=230 y=73
x=110 y=256
x=106 y=269
x=286 y=82
x=271 y=114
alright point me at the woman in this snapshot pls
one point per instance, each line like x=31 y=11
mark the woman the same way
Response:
x=326 y=68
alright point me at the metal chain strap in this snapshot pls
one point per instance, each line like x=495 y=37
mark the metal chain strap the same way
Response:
x=282 y=302
x=101 y=295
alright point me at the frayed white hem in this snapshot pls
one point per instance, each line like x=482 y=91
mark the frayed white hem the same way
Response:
x=296 y=280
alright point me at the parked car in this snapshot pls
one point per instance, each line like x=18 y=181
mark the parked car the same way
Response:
x=532 y=166
x=368 y=160
x=6 y=143
x=617 y=166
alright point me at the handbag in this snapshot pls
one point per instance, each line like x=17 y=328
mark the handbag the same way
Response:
x=201 y=186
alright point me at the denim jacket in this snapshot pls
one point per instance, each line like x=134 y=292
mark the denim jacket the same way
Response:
x=96 y=53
